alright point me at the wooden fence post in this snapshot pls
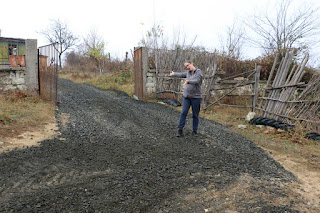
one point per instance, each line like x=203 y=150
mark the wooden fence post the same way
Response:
x=140 y=71
x=267 y=84
x=256 y=88
x=210 y=84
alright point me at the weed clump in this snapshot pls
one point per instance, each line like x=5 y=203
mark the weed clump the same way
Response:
x=20 y=111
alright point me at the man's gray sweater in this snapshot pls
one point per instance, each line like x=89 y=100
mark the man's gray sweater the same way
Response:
x=193 y=88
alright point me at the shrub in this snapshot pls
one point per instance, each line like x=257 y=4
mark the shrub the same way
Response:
x=121 y=76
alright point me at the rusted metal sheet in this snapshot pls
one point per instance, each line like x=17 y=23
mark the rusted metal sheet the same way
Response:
x=43 y=62
x=13 y=60
x=138 y=73
x=22 y=60
x=48 y=72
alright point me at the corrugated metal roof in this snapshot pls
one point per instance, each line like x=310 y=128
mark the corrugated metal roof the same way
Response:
x=12 y=39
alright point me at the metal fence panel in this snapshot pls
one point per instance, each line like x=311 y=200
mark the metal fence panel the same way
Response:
x=48 y=71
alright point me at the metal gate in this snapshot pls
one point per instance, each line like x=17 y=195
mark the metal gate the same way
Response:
x=48 y=62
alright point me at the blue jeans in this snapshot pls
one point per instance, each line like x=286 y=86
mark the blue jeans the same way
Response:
x=187 y=102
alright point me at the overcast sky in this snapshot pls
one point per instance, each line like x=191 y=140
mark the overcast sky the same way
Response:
x=122 y=23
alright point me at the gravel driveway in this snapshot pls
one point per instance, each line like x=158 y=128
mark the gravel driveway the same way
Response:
x=116 y=154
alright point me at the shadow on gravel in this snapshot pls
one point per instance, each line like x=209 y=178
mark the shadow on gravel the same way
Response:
x=115 y=154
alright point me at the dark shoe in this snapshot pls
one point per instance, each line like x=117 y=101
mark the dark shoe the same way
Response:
x=195 y=133
x=180 y=133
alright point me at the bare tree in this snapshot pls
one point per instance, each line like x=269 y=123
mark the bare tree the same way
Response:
x=154 y=38
x=94 y=48
x=157 y=38
x=232 y=41
x=285 y=27
x=59 y=32
x=159 y=46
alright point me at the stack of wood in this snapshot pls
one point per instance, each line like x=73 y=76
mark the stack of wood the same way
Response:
x=283 y=87
x=306 y=108
x=286 y=100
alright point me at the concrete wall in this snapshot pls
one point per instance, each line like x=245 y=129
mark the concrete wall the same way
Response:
x=145 y=70
x=150 y=82
x=12 y=78
x=31 y=73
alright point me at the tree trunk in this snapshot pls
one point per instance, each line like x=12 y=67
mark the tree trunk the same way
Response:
x=60 y=64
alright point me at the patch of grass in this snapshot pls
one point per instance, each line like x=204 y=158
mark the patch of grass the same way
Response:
x=78 y=76
x=20 y=112
x=122 y=80
x=292 y=144
x=4 y=119
x=225 y=115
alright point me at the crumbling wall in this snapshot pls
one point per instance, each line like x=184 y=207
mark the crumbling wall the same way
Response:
x=12 y=78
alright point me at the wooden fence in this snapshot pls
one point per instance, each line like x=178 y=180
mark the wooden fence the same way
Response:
x=250 y=77
x=162 y=62
x=284 y=97
x=288 y=99
x=152 y=76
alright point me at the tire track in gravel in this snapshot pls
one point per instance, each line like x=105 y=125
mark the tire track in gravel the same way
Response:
x=115 y=154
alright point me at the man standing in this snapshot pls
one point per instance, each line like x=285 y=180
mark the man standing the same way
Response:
x=191 y=96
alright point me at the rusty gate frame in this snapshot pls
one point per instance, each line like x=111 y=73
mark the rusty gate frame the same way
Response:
x=140 y=69
x=48 y=63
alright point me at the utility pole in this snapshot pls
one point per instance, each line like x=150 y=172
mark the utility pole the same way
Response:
x=155 y=36
x=155 y=44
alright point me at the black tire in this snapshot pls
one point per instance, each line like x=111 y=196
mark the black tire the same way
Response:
x=257 y=120
x=277 y=124
x=312 y=134
x=317 y=138
x=264 y=121
x=283 y=126
x=271 y=122
x=253 y=120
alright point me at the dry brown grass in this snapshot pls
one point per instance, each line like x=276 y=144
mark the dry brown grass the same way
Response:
x=292 y=150
x=79 y=77
x=118 y=80
x=20 y=112
x=292 y=144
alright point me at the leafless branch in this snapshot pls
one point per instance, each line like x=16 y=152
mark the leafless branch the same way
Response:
x=58 y=32
x=290 y=28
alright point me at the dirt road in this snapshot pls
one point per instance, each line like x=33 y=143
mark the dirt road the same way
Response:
x=115 y=154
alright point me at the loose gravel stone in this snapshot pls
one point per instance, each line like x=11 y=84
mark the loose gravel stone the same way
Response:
x=117 y=154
